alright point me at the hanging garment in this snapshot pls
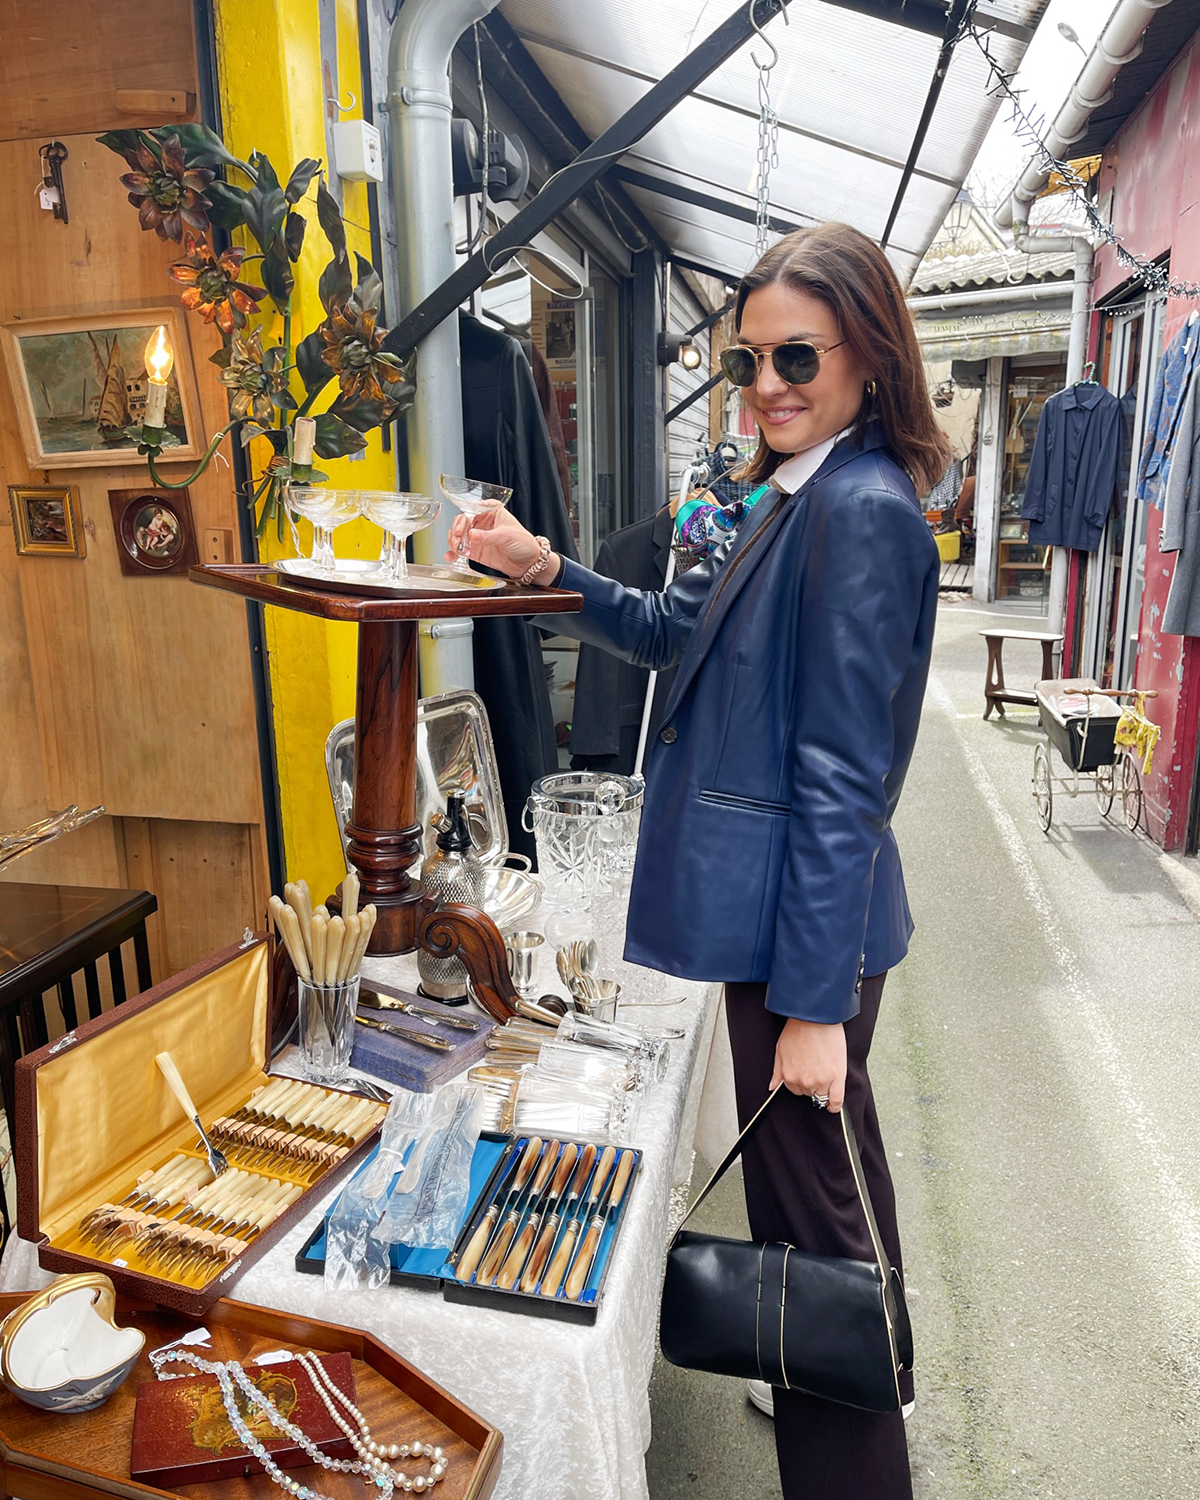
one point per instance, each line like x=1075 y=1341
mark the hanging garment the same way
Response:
x=1073 y=472
x=1170 y=391
x=610 y=694
x=505 y=441
x=1181 y=520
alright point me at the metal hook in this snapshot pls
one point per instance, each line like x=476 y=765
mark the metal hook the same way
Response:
x=754 y=21
x=339 y=106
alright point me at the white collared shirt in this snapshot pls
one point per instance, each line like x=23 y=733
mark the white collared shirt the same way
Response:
x=795 y=472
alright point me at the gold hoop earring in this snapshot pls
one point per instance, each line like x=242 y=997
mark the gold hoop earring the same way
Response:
x=870 y=387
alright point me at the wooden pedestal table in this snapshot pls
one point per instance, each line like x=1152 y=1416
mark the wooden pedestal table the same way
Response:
x=385 y=839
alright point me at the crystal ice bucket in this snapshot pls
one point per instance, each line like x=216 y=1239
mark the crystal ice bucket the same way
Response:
x=585 y=825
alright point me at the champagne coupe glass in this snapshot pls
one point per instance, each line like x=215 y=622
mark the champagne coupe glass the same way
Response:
x=472 y=497
x=326 y=509
x=399 y=515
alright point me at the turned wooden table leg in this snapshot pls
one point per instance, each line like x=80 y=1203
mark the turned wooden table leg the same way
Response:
x=385 y=841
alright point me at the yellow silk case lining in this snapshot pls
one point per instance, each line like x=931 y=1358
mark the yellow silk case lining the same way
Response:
x=105 y=1114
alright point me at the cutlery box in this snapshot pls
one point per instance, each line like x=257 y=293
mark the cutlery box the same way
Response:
x=491 y=1165
x=416 y=1068
x=94 y=1114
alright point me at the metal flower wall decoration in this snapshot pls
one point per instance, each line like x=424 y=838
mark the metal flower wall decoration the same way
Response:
x=273 y=383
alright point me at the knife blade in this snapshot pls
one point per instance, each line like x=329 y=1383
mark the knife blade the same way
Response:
x=375 y=1000
x=439 y=1044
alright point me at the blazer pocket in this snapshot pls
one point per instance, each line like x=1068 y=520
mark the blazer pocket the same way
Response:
x=746 y=804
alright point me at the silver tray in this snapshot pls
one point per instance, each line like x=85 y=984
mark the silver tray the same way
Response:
x=359 y=575
x=454 y=749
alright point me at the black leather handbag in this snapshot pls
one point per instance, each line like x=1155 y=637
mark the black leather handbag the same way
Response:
x=832 y=1327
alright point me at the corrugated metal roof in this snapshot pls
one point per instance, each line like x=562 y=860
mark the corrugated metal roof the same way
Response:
x=849 y=90
x=998 y=267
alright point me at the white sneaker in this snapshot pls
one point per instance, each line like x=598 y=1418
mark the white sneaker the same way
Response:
x=762 y=1396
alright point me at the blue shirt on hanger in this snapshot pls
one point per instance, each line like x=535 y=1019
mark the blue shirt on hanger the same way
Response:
x=1073 y=473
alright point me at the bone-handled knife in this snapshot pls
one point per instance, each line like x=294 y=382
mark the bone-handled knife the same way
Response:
x=479 y=1241
x=562 y=1256
x=503 y=1237
x=422 y=1039
x=613 y=1193
x=563 y=1205
x=514 y=1261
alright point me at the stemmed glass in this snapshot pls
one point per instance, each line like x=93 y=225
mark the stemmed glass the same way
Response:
x=399 y=515
x=473 y=498
x=326 y=509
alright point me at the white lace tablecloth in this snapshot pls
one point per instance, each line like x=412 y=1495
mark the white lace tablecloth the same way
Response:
x=572 y=1402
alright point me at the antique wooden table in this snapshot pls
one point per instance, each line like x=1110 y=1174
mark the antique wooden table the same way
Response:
x=995 y=694
x=385 y=839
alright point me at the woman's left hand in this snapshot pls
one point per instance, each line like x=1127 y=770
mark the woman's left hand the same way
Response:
x=810 y=1058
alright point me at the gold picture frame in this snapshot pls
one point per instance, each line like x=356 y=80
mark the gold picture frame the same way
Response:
x=47 y=520
x=78 y=382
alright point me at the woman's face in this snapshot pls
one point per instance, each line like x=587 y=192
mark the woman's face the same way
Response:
x=795 y=417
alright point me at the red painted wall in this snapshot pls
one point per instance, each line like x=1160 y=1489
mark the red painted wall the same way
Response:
x=1152 y=168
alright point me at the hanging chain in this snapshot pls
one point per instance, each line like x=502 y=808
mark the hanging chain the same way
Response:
x=768 y=155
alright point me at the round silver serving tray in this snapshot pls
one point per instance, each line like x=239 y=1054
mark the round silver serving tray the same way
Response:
x=359 y=575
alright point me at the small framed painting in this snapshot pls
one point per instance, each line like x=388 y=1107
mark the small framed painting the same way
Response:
x=78 y=383
x=154 y=530
x=47 y=520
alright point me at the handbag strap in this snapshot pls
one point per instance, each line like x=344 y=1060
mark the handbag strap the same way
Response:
x=856 y=1167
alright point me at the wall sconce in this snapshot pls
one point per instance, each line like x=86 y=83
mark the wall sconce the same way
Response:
x=682 y=351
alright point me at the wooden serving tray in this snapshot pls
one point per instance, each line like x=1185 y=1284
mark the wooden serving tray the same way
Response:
x=44 y=1456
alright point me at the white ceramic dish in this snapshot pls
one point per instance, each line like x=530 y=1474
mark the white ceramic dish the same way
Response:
x=62 y=1350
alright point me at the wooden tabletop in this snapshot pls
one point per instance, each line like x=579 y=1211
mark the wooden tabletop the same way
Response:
x=257 y=581
x=47 y=930
x=1023 y=635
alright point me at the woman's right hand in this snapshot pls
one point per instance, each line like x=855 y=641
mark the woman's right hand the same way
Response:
x=498 y=541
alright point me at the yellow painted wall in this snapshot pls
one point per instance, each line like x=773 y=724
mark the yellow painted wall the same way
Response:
x=273 y=100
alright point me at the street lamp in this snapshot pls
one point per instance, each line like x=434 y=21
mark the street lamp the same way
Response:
x=959 y=216
x=1069 y=34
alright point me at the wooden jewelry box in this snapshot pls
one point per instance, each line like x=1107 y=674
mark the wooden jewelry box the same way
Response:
x=95 y=1119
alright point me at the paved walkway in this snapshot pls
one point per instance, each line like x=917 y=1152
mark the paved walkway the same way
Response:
x=1037 y=1068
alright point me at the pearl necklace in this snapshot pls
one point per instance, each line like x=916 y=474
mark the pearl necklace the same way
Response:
x=370 y=1465
x=374 y=1455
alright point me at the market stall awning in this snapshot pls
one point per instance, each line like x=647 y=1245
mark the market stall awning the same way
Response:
x=1002 y=333
x=849 y=90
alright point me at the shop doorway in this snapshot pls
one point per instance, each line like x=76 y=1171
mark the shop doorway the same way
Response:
x=1131 y=339
x=1023 y=567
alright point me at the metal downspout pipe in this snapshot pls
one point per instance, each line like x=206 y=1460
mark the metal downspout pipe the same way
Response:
x=419 y=107
x=1081 y=308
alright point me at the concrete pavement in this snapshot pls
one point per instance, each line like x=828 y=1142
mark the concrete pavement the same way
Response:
x=1036 y=1066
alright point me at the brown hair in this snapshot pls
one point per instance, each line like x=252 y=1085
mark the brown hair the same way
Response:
x=855 y=280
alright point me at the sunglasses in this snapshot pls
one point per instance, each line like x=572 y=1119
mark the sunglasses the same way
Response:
x=796 y=363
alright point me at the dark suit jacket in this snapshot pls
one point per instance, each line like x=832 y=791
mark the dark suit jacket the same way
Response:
x=1073 y=472
x=610 y=694
x=766 y=851
x=505 y=441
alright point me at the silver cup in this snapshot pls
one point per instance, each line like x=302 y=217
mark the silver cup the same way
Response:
x=523 y=949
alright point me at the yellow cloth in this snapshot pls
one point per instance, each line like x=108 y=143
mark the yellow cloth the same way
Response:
x=1136 y=731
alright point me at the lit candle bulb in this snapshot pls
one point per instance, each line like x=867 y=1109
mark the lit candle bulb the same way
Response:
x=159 y=361
x=304 y=435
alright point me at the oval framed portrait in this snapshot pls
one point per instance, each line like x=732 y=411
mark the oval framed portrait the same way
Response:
x=154 y=530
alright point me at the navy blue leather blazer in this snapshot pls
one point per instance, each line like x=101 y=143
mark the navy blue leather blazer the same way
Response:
x=803 y=643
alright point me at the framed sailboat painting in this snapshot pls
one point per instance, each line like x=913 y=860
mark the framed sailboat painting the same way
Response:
x=79 y=382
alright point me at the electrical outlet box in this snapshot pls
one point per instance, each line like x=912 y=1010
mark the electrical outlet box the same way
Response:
x=357 y=151
x=218 y=545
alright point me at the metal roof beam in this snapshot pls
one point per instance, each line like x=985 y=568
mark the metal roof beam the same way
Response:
x=699 y=200
x=579 y=175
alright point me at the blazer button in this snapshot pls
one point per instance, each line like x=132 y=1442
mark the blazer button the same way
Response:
x=669 y=735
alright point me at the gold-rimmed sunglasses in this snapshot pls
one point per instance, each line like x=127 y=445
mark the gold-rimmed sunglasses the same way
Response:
x=796 y=362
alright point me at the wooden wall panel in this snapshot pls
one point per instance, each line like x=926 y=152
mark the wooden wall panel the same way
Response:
x=64 y=64
x=143 y=693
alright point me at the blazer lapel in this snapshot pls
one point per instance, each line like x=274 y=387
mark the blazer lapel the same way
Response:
x=766 y=517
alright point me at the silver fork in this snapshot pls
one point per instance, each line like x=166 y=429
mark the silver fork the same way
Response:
x=217 y=1160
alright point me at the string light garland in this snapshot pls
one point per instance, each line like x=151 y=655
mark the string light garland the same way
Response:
x=1155 y=278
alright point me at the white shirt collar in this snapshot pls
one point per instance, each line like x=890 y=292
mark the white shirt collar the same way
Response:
x=795 y=472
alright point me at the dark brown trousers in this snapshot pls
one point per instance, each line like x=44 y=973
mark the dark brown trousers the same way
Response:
x=800 y=1189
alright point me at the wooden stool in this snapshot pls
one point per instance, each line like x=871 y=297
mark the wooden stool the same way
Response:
x=996 y=695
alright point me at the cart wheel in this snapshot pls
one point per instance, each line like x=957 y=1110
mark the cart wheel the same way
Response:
x=1131 y=793
x=1106 y=788
x=1043 y=787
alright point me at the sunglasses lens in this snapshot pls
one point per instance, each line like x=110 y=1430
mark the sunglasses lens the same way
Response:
x=739 y=365
x=796 y=363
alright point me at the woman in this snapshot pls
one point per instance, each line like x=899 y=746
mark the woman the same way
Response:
x=803 y=644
